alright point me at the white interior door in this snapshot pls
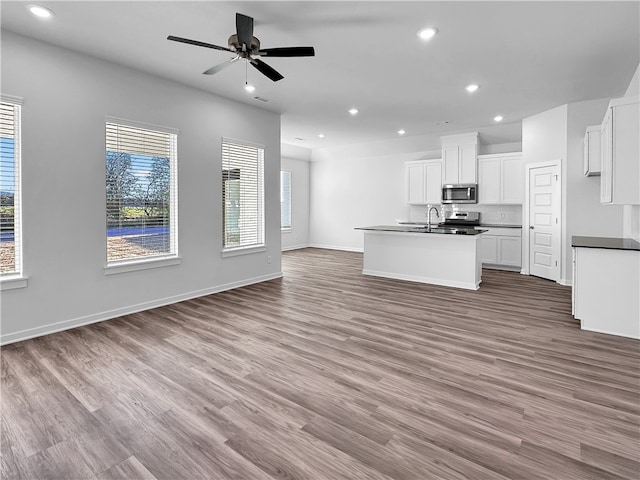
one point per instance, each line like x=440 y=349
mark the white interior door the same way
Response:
x=544 y=222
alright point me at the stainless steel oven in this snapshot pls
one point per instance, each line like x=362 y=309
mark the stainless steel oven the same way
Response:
x=461 y=193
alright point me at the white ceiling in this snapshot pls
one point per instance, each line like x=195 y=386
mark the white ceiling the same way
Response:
x=527 y=57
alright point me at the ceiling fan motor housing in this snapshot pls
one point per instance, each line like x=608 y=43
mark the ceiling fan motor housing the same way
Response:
x=235 y=45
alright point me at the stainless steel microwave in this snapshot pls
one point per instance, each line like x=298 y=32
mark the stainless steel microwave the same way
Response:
x=461 y=193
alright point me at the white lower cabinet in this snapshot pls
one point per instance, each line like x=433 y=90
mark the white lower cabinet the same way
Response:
x=501 y=247
x=606 y=290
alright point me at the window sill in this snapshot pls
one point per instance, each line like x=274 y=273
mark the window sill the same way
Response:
x=233 y=252
x=285 y=230
x=12 y=282
x=135 y=265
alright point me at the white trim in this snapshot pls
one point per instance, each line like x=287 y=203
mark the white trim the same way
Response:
x=137 y=124
x=144 y=263
x=11 y=99
x=295 y=247
x=498 y=155
x=110 y=314
x=565 y=282
x=420 y=279
x=336 y=247
x=12 y=282
x=234 y=252
x=241 y=142
x=526 y=221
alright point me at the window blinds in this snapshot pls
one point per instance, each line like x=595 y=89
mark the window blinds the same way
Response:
x=285 y=200
x=141 y=192
x=242 y=194
x=10 y=202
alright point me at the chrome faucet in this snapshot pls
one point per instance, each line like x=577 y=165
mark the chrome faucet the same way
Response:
x=429 y=216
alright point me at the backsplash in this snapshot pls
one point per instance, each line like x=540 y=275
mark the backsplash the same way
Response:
x=492 y=214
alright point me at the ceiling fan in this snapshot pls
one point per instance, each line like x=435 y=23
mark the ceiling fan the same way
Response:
x=244 y=45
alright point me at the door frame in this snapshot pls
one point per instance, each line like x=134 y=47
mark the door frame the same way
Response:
x=526 y=238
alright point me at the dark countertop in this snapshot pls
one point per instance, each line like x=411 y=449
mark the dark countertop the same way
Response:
x=487 y=225
x=496 y=225
x=423 y=229
x=605 y=242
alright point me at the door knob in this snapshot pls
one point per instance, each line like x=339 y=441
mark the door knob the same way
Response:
x=530 y=227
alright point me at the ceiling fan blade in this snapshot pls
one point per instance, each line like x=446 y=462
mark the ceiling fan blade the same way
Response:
x=287 y=52
x=244 y=29
x=266 y=69
x=197 y=43
x=220 y=66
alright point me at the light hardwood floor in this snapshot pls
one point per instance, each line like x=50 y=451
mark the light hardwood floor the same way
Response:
x=328 y=374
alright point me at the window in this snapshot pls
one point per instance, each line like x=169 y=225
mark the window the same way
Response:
x=242 y=194
x=285 y=200
x=10 y=204
x=141 y=187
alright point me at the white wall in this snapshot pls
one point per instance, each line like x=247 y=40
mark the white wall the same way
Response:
x=631 y=213
x=66 y=97
x=544 y=139
x=296 y=160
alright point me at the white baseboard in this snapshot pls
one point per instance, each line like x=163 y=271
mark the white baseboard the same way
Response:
x=335 y=247
x=295 y=247
x=565 y=282
x=118 y=312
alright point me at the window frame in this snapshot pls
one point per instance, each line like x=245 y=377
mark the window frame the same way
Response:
x=150 y=261
x=261 y=244
x=16 y=278
x=289 y=192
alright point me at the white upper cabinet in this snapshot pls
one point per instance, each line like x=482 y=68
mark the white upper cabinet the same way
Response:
x=424 y=182
x=592 y=151
x=620 y=153
x=459 y=158
x=501 y=179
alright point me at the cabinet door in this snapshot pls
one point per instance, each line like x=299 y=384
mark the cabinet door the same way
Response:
x=510 y=251
x=467 y=160
x=416 y=184
x=450 y=165
x=488 y=248
x=433 y=185
x=512 y=181
x=489 y=180
x=606 y=159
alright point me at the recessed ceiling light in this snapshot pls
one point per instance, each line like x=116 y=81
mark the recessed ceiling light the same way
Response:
x=321 y=135
x=249 y=88
x=498 y=118
x=427 y=33
x=40 y=11
x=472 y=87
x=401 y=131
x=353 y=111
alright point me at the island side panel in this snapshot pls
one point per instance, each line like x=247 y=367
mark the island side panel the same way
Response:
x=449 y=260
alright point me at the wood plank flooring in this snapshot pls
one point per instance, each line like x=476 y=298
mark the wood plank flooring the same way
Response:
x=328 y=374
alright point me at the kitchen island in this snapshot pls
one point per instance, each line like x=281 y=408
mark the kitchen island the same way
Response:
x=418 y=253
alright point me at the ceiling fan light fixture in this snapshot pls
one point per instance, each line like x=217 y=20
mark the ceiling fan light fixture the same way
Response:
x=40 y=11
x=472 y=87
x=249 y=88
x=353 y=111
x=427 y=33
